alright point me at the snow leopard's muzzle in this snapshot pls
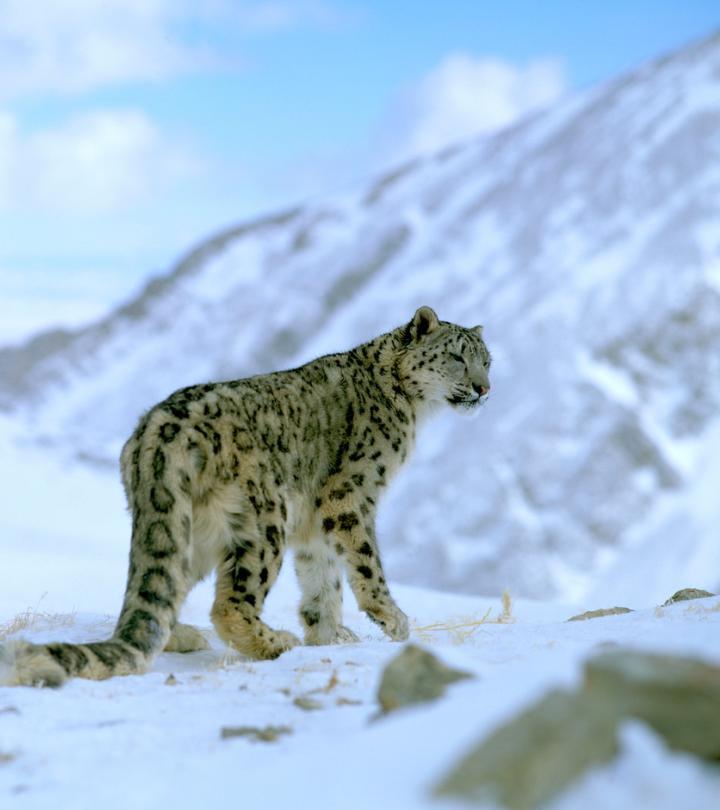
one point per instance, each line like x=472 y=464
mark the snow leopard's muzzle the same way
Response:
x=478 y=397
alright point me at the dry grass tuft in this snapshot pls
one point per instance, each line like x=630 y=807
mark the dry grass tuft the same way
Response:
x=506 y=617
x=462 y=628
x=332 y=684
x=34 y=619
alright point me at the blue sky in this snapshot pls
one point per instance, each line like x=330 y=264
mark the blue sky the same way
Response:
x=130 y=129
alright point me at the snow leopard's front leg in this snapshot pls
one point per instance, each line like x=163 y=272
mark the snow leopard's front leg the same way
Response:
x=319 y=577
x=350 y=521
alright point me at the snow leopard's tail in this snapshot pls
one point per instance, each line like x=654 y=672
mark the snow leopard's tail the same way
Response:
x=158 y=579
x=26 y=664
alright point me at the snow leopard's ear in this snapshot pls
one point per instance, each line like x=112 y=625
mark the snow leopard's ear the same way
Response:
x=477 y=330
x=423 y=323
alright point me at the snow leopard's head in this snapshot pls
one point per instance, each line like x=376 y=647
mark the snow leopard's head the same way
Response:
x=443 y=362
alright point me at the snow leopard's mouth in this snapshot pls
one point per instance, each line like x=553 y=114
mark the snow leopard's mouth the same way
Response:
x=467 y=402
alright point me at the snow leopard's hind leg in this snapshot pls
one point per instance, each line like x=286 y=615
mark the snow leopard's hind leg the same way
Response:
x=185 y=638
x=244 y=577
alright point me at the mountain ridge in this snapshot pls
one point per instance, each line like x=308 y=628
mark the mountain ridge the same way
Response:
x=586 y=239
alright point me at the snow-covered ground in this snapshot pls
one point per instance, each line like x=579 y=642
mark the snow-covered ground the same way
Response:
x=142 y=742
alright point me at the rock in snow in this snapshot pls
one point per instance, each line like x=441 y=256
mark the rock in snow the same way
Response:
x=543 y=750
x=687 y=594
x=597 y=614
x=415 y=676
x=678 y=697
x=536 y=755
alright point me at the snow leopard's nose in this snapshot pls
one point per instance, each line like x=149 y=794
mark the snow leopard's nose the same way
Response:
x=481 y=389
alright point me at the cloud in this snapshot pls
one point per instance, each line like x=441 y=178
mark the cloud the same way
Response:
x=74 y=46
x=462 y=97
x=102 y=161
x=70 y=46
x=108 y=159
x=278 y=15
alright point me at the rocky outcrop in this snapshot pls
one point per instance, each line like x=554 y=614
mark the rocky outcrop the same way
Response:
x=687 y=594
x=539 y=753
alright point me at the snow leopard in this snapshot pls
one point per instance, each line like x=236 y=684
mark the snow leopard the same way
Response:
x=225 y=476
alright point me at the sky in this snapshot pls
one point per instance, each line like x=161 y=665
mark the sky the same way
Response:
x=132 y=129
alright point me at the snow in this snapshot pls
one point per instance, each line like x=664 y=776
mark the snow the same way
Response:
x=609 y=379
x=644 y=757
x=137 y=741
x=712 y=272
x=141 y=742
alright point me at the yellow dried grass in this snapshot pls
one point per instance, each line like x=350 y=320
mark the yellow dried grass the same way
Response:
x=34 y=619
x=462 y=628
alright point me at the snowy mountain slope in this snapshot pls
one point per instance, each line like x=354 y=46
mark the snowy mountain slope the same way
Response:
x=586 y=239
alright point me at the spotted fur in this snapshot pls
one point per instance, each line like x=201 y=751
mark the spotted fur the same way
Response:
x=226 y=476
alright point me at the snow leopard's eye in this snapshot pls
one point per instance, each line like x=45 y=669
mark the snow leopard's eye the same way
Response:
x=456 y=357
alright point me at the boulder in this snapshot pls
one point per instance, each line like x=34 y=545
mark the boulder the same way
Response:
x=678 y=697
x=415 y=676
x=686 y=594
x=596 y=614
x=541 y=751
x=536 y=755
